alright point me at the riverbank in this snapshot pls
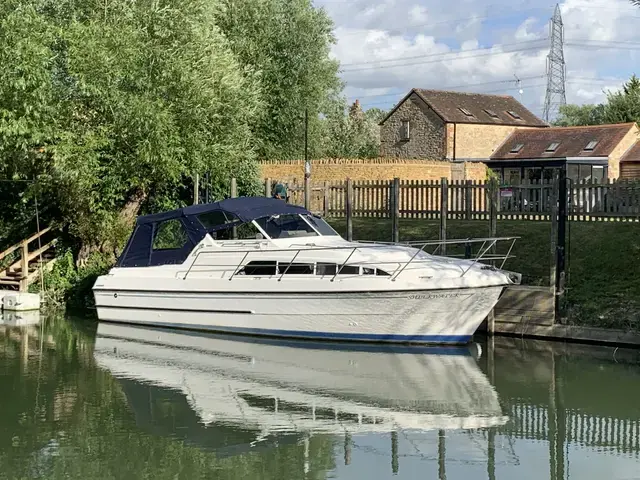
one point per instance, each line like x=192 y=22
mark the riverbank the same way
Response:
x=603 y=284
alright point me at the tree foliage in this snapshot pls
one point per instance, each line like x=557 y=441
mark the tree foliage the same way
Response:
x=621 y=106
x=106 y=104
x=349 y=132
x=288 y=42
x=109 y=108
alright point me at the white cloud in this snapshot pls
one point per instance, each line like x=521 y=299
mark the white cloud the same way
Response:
x=393 y=45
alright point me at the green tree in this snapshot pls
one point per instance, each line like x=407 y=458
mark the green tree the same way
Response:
x=578 y=115
x=621 y=106
x=349 y=132
x=624 y=105
x=111 y=103
x=288 y=42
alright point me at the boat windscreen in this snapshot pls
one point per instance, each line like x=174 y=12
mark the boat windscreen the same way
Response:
x=320 y=225
x=286 y=226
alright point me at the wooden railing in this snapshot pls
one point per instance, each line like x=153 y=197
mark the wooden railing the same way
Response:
x=17 y=274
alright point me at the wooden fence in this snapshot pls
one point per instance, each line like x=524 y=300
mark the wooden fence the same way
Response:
x=586 y=201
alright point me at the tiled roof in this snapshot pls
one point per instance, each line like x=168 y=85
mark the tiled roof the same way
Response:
x=572 y=142
x=455 y=107
x=633 y=154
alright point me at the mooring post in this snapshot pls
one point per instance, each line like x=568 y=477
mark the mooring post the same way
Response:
x=444 y=211
x=442 y=472
x=395 y=214
x=267 y=187
x=394 y=452
x=561 y=243
x=553 y=213
x=348 y=197
x=24 y=267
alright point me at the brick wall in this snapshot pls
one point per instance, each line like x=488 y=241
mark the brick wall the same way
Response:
x=332 y=170
x=426 y=132
x=626 y=143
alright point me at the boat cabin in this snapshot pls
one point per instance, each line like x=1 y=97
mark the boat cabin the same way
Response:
x=169 y=237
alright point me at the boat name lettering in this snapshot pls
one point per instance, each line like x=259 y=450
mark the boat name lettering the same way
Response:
x=433 y=296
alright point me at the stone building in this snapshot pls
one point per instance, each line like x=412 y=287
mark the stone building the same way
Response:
x=454 y=126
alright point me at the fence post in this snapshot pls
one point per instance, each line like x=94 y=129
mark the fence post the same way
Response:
x=267 y=187
x=348 y=196
x=444 y=211
x=24 y=266
x=326 y=199
x=395 y=213
x=494 y=194
x=468 y=192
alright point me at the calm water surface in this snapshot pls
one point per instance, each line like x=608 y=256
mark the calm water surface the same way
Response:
x=88 y=402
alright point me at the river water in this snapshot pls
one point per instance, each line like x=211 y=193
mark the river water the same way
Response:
x=84 y=401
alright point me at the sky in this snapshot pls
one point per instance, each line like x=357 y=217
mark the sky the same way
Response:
x=387 y=47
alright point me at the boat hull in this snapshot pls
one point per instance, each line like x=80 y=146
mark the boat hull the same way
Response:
x=419 y=316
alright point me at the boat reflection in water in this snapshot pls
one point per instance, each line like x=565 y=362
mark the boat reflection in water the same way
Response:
x=266 y=388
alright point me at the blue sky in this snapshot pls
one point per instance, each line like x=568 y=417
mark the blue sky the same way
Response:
x=386 y=47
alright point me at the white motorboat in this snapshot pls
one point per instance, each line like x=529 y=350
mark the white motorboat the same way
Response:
x=283 y=387
x=260 y=266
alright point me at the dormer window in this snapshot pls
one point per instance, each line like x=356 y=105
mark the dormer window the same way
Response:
x=514 y=114
x=491 y=113
x=465 y=111
x=517 y=148
x=552 y=147
x=591 y=145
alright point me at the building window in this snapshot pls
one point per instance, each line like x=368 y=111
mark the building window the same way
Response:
x=514 y=114
x=552 y=147
x=466 y=112
x=491 y=113
x=517 y=148
x=590 y=146
x=404 y=134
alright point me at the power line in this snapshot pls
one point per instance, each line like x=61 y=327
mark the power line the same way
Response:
x=492 y=82
x=479 y=49
x=456 y=56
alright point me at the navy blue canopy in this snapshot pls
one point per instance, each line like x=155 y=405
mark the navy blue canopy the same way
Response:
x=185 y=227
x=245 y=208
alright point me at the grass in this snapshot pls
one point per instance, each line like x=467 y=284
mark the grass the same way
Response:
x=603 y=284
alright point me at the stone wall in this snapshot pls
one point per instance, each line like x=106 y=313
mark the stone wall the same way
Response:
x=478 y=141
x=426 y=132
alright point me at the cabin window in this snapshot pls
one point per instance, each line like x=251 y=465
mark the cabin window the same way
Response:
x=169 y=235
x=331 y=268
x=259 y=267
x=216 y=218
x=374 y=271
x=295 y=268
